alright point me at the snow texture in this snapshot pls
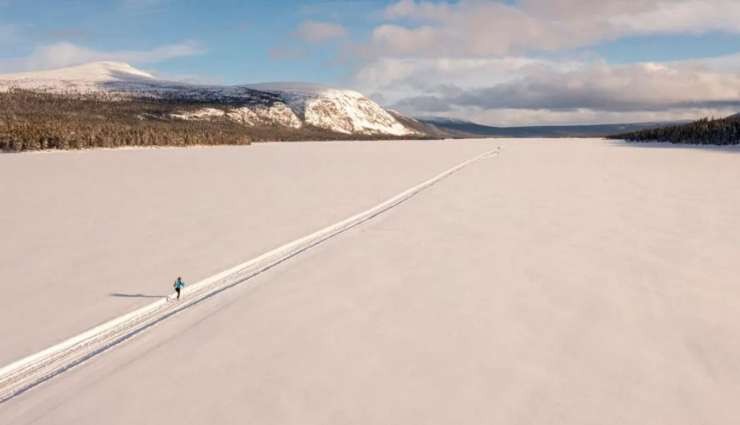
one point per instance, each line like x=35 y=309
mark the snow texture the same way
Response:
x=28 y=372
x=320 y=106
x=565 y=282
x=100 y=232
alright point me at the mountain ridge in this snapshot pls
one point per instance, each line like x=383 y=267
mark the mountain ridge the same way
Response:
x=92 y=71
x=292 y=105
x=465 y=129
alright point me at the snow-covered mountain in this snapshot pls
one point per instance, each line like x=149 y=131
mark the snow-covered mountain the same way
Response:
x=292 y=105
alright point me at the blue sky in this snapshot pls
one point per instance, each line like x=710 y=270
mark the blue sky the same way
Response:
x=237 y=36
x=422 y=57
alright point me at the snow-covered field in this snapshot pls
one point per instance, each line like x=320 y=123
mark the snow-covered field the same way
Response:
x=561 y=282
x=90 y=235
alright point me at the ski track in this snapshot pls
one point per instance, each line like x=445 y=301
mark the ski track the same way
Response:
x=31 y=371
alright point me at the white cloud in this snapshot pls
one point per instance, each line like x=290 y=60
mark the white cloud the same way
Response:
x=523 y=117
x=62 y=54
x=521 y=90
x=399 y=78
x=318 y=32
x=693 y=16
x=599 y=86
x=474 y=59
x=418 y=10
x=488 y=27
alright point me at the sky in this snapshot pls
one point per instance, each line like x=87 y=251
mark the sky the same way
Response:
x=497 y=62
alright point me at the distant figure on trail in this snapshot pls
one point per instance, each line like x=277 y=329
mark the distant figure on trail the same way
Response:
x=179 y=284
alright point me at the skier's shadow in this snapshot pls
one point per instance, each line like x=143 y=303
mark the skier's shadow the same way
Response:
x=120 y=295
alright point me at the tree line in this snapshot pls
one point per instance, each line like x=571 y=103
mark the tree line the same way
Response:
x=722 y=131
x=33 y=121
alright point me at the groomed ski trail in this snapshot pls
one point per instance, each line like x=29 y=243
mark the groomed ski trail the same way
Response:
x=31 y=371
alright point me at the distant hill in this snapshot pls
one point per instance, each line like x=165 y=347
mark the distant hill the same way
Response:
x=723 y=131
x=110 y=104
x=291 y=106
x=467 y=129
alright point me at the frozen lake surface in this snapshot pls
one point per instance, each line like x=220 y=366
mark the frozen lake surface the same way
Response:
x=90 y=235
x=562 y=281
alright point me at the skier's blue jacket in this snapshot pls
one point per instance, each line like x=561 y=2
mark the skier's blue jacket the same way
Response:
x=179 y=284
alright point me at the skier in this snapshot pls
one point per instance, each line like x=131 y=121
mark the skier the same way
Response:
x=179 y=284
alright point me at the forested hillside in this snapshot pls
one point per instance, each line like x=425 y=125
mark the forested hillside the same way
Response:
x=31 y=120
x=723 y=131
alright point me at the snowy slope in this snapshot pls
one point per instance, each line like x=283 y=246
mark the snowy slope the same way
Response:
x=91 y=77
x=292 y=105
x=343 y=111
x=91 y=72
